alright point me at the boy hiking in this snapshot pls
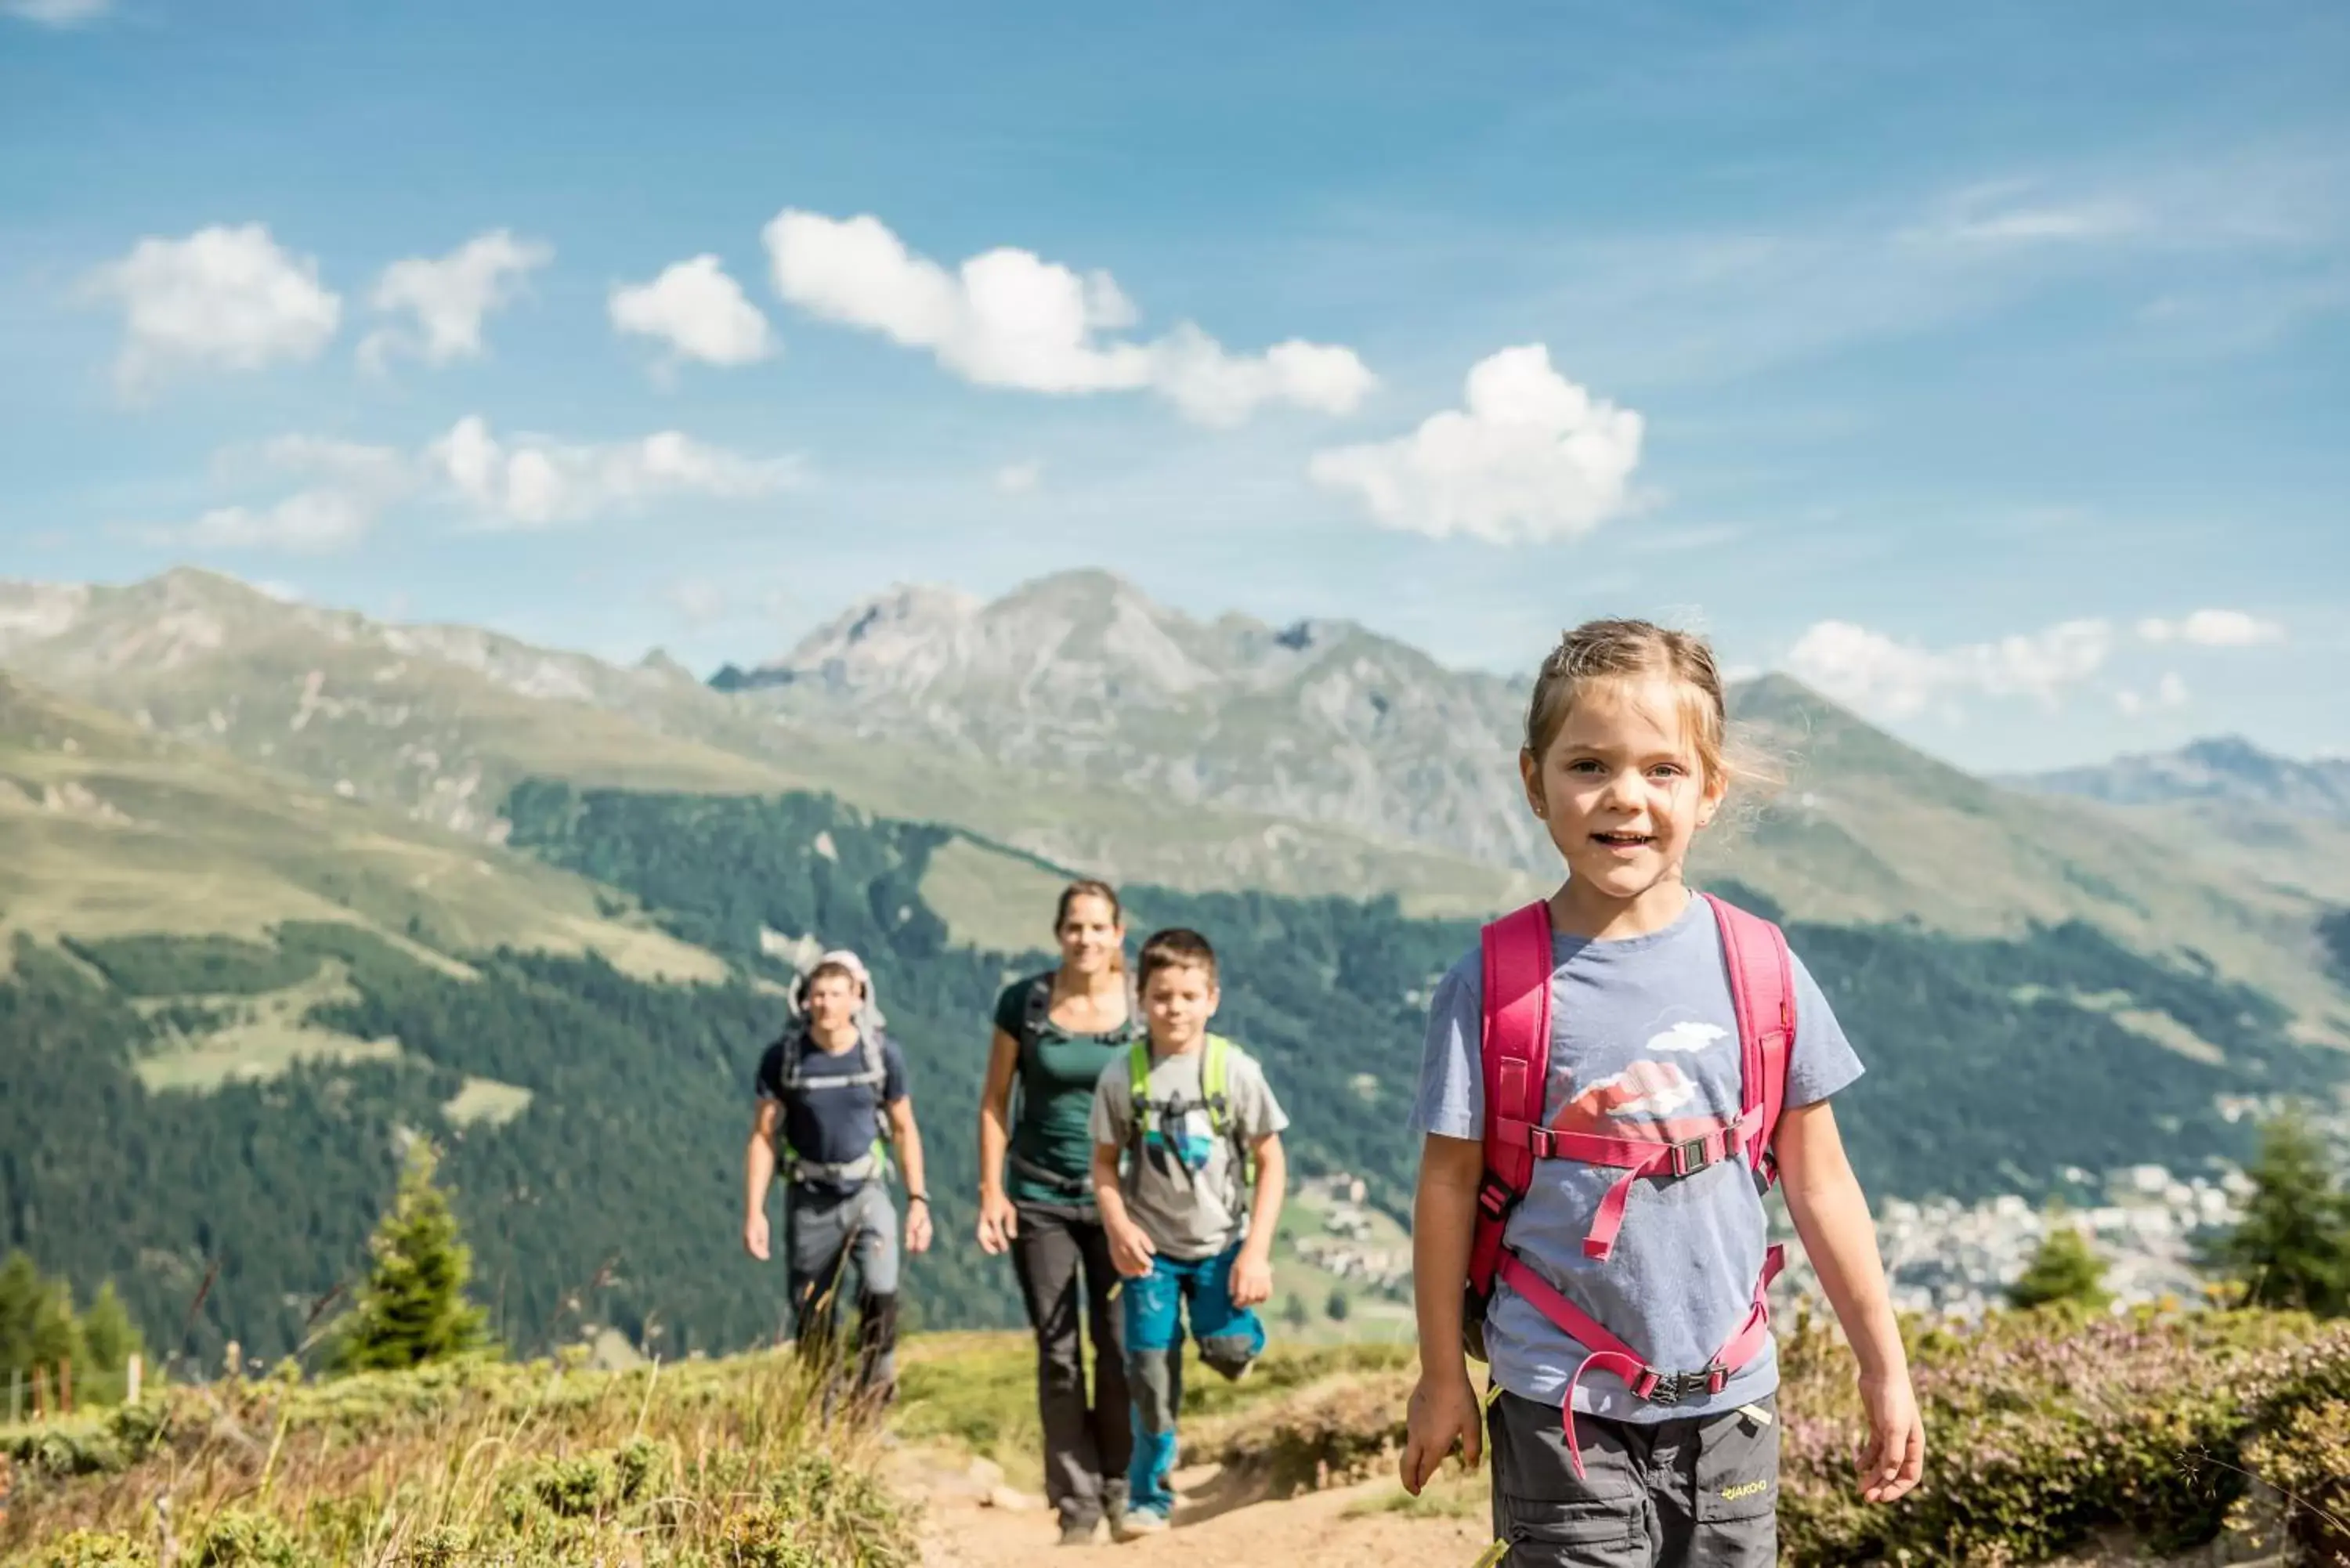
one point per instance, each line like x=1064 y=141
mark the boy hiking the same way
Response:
x=826 y=1091
x=1198 y=1128
x=1611 y=1079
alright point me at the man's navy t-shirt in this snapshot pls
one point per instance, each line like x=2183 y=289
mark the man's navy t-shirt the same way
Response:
x=830 y=1122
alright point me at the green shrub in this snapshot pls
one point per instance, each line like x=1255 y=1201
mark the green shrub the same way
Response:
x=97 y=1549
x=236 y=1537
x=2308 y=1461
x=576 y=1488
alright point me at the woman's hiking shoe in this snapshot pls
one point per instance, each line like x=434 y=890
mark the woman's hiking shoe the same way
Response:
x=1139 y=1523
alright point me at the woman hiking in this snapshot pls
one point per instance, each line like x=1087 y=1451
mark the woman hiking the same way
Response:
x=1055 y=1034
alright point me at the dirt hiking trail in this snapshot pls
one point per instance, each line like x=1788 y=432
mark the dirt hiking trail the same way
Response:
x=1218 y=1523
x=971 y=1520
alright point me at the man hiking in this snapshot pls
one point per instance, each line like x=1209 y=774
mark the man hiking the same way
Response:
x=826 y=1092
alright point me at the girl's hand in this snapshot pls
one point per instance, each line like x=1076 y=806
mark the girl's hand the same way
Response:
x=1130 y=1250
x=999 y=1222
x=1895 y=1455
x=1443 y=1411
x=1252 y=1280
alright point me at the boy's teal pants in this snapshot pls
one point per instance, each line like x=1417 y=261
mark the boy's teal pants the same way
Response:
x=1229 y=1337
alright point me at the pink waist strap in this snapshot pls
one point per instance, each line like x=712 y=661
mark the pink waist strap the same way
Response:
x=1606 y=1353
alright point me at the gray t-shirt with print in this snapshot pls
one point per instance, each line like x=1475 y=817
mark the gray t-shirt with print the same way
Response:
x=1183 y=1186
x=1643 y=1044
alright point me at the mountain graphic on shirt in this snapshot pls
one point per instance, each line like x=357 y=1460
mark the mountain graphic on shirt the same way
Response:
x=1644 y=1102
x=1183 y=1139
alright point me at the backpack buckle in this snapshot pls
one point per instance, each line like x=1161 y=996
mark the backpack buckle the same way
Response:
x=1495 y=1198
x=1687 y=1159
x=1670 y=1389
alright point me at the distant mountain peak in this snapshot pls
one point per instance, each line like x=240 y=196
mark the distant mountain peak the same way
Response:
x=2213 y=768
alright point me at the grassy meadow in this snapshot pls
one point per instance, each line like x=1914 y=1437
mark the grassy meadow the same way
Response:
x=2147 y=1434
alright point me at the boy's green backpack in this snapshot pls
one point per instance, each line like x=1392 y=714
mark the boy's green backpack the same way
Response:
x=1215 y=1090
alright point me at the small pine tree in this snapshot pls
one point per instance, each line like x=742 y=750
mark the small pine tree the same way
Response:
x=2292 y=1247
x=36 y=1319
x=1338 y=1306
x=413 y=1309
x=1294 y=1311
x=2065 y=1269
x=57 y=1337
x=107 y=1333
x=22 y=1290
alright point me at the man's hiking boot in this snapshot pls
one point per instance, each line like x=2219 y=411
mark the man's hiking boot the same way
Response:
x=1139 y=1523
x=1077 y=1531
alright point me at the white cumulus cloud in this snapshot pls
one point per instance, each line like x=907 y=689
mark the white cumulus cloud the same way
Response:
x=2170 y=691
x=227 y=298
x=1874 y=673
x=1007 y=318
x=531 y=482
x=699 y=311
x=352 y=485
x=310 y=522
x=2213 y=628
x=58 y=12
x=524 y=481
x=447 y=299
x=1531 y=457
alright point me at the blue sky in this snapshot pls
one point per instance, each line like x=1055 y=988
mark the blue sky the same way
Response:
x=1990 y=373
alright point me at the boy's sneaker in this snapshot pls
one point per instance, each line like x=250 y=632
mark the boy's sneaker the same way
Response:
x=1139 y=1523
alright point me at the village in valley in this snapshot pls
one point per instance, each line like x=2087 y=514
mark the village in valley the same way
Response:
x=2146 y=1223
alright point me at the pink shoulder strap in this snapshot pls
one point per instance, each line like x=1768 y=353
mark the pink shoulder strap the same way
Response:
x=1517 y=956
x=1762 y=992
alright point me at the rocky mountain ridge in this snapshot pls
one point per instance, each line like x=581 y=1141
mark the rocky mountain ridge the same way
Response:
x=1080 y=673
x=2220 y=768
x=439 y=722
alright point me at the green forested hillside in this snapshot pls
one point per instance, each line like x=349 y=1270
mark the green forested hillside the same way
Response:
x=611 y=1195
x=629 y=1150
x=1993 y=1063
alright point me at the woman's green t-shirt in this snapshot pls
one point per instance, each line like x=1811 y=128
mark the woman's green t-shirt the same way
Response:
x=1052 y=1149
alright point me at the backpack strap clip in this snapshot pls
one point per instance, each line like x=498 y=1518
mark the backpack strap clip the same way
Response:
x=1689 y=1159
x=1669 y=1388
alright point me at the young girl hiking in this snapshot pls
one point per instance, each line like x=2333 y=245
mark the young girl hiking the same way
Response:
x=1055 y=1034
x=1611 y=1079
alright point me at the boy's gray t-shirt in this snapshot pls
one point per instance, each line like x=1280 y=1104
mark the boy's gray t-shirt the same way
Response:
x=1184 y=1186
x=1643 y=1044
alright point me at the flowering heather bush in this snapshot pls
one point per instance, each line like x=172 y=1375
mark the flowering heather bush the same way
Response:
x=2309 y=1461
x=2044 y=1429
